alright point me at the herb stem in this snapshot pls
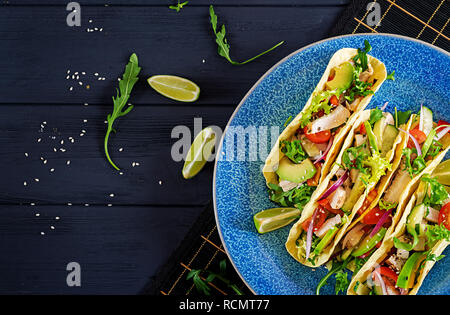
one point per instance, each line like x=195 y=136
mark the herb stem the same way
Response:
x=268 y=50
x=106 y=147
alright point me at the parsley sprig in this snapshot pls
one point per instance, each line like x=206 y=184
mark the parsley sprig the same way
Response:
x=222 y=43
x=297 y=197
x=130 y=77
x=293 y=150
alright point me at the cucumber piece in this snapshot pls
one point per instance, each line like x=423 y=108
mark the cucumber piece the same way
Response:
x=427 y=120
x=369 y=242
x=325 y=240
x=378 y=131
x=310 y=148
x=355 y=193
x=408 y=273
x=389 y=135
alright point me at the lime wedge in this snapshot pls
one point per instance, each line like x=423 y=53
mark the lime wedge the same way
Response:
x=176 y=88
x=199 y=152
x=442 y=173
x=275 y=218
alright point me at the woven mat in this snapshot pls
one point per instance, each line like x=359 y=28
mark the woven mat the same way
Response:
x=426 y=20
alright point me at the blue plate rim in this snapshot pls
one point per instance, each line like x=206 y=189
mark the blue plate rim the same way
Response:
x=219 y=149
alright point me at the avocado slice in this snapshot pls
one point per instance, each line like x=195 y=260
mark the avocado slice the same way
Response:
x=355 y=193
x=378 y=130
x=296 y=173
x=343 y=77
x=325 y=240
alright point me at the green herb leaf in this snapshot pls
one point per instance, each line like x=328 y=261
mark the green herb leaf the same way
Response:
x=130 y=77
x=293 y=150
x=390 y=76
x=223 y=46
x=435 y=192
x=179 y=6
x=401 y=117
x=320 y=101
x=297 y=197
x=386 y=206
x=341 y=282
x=337 y=267
x=375 y=115
x=437 y=233
x=361 y=59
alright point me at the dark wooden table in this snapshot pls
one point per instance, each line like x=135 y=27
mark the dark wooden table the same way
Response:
x=69 y=214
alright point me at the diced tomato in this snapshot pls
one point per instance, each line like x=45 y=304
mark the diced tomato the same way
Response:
x=326 y=204
x=315 y=180
x=444 y=216
x=334 y=100
x=318 y=137
x=388 y=273
x=370 y=197
x=373 y=216
x=319 y=220
x=420 y=136
x=331 y=76
x=362 y=129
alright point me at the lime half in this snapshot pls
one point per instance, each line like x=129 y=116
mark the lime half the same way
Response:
x=442 y=173
x=176 y=88
x=275 y=218
x=199 y=152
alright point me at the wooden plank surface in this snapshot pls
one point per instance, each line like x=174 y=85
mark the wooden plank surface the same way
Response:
x=120 y=240
x=39 y=75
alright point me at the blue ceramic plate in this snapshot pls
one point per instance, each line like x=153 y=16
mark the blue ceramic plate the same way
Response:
x=421 y=76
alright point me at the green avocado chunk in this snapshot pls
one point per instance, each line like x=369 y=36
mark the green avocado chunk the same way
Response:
x=369 y=242
x=296 y=173
x=343 y=77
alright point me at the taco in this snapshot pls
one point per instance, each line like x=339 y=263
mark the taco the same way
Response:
x=401 y=264
x=306 y=149
x=370 y=153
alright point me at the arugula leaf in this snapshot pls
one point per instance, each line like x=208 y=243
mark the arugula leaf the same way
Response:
x=337 y=267
x=287 y=121
x=201 y=285
x=390 y=76
x=179 y=6
x=293 y=150
x=130 y=77
x=297 y=197
x=224 y=47
x=354 y=157
x=401 y=117
x=375 y=115
x=417 y=165
x=341 y=281
x=435 y=192
x=359 y=88
x=361 y=60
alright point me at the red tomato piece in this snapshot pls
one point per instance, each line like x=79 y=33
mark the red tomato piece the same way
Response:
x=419 y=135
x=373 y=216
x=319 y=220
x=334 y=100
x=318 y=137
x=444 y=216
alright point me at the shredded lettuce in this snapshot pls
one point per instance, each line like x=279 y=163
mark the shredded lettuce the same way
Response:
x=319 y=102
x=293 y=150
x=378 y=166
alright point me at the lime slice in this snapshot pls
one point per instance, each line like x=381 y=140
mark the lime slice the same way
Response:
x=442 y=173
x=275 y=218
x=199 y=152
x=176 y=88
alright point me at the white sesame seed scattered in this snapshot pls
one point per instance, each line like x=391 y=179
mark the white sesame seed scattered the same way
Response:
x=137 y=164
x=83 y=73
x=45 y=161
x=68 y=162
x=36 y=179
x=52 y=170
x=73 y=76
x=72 y=140
x=56 y=218
x=160 y=182
x=37 y=214
x=101 y=29
x=80 y=83
x=120 y=173
x=52 y=227
x=105 y=121
x=121 y=149
x=81 y=134
x=39 y=140
x=86 y=104
x=71 y=88
x=62 y=150
x=86 y=204
x=44 y=122
x=41 y=158
x=76 y=73
x=83 y=131
x=96 y=74
x=32 y=204
x=95 y=28
x=24 y=183
x=203 y=61
x=54 y=149
x=109 y=204
x=133 y=164
x=111 y=195
x=90 y=21
x=85 y=120
x=62 y=142
x=68 y=71
x=68 y=77
x=69 y=203
x=42 y=233
x=26 y=154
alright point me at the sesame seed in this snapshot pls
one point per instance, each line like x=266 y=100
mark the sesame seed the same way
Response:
x=96 y=74
x=69 y=203
x=68 y=162
x=37 y=214
x=32 y=204
x=45 y=161
x=71 y=88
x=52 y=227
x=26 y=154
x=42 y=233
x=24 y=183
x=86 y=204
x=81 y=134
x=85 y=120
x=52 y=170
x=86 y=104
x=62 y=142
x=39 y=140
x=56 y=218
x=36 y=179
x=54 y=149
x=62 y=149
x=121 y=149
x=120 y=173
x=68 y=71
x=80 y=83
x=76 y=73
x=83 y=73
x=68 y=77
x=160 y=182
x=111 y=195
x=83 y=131
x=109 y=204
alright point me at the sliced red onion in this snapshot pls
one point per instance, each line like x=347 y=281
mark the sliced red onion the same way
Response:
x=421 y=118
x=324 y=154
x=416 y=143
x=442 y=133
x=384 y=106
x=380 y=222
x=335 y=186
x=309 y=234
x=376 y=272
